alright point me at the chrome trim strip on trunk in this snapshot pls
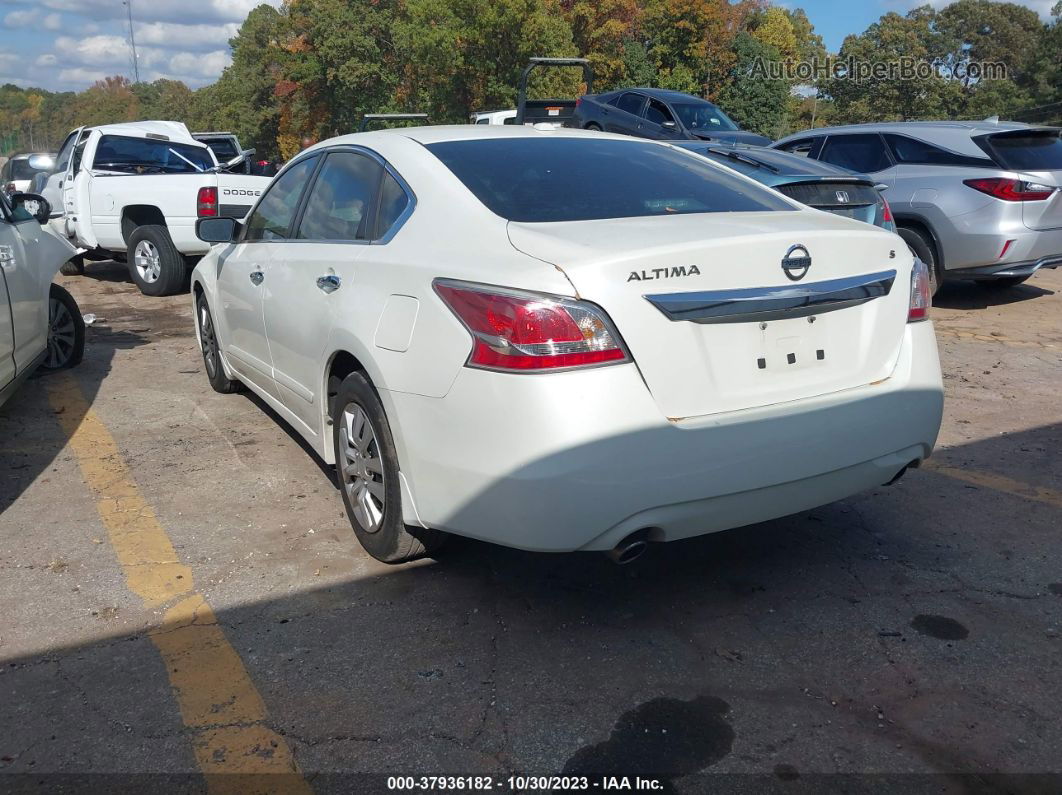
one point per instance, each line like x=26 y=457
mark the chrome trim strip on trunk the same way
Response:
x=773 y=303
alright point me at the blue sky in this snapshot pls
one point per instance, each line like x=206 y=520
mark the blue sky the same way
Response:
x=68 y=44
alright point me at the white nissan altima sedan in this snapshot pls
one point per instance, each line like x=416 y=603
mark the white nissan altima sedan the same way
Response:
x=559 y=340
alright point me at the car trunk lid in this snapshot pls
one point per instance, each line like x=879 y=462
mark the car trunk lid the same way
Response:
x=666 y=301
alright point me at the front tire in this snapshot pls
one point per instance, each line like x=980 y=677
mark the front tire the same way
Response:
x=923 y=248
x=66 y=330
x=208 y=342
x=367 y=470
x=155 y=264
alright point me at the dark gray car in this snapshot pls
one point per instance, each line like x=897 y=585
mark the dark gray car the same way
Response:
x=661 y=115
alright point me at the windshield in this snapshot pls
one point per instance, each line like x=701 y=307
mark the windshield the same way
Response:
x=148 y=155
x=580 y=179
x=702 y=116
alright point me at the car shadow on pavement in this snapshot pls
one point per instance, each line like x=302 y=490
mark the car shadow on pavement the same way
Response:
x=30 y=436
x=108 y=271
x=969 y=295
x=905 y=629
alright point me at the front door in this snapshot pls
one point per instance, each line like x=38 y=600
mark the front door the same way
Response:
x=26 y=287
x=314 y=273
x=53 y=186
x=7 y=332
x=656 y=115
x=242 y=277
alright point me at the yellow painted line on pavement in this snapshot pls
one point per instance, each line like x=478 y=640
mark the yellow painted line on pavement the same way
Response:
x=990 y=480
x=217 y=699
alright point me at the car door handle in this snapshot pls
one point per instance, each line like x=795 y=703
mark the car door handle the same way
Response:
x=329 y=283
x=256 y=277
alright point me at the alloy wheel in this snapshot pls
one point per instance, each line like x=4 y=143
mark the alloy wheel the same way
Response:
x=61 y=334
x=147 y=262
x=362 y=468
x=208 y=340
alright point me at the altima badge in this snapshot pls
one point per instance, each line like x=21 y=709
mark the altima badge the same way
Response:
x=796 y=263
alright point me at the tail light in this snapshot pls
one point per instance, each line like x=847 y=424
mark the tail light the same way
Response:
x=517 y=331
x=206 y=204
x=1011 y=190
x=921 y=295
x=887 y=220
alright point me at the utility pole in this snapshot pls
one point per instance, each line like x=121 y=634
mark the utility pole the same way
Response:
x=132 y=40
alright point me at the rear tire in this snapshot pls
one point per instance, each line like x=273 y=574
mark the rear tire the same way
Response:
x=208 y=343
x=66 y=330
x=75 y=266
x=922 y=247
x=155 y=264
x=999 y=285
x=367 y=471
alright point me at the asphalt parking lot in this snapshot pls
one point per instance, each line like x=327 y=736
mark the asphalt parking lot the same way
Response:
x=181 y=592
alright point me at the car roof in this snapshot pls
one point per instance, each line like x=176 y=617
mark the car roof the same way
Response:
x=173 y=130
x=432 y=134
x=662 y=93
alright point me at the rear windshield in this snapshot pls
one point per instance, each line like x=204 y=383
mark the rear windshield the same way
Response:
x=150 y=156
x=582 y=179
x=224 y=149
x=1031 y=151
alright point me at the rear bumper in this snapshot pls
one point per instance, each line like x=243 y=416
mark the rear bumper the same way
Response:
x=1007 y=270
x=579 y=460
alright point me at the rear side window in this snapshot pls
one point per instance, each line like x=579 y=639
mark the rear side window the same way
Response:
x=864 y=152
x=805 y=147
x=631 y=103
x=1035 y=150
x=148 y=156
x=581 y=179
x=341 y=199
x=911 y=150
x=272 y=218
x=393 y=202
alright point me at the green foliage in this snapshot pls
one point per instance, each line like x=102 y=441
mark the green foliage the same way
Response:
x=754 y=101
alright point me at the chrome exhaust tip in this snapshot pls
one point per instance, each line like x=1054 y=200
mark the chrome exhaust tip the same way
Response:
x=629 y=549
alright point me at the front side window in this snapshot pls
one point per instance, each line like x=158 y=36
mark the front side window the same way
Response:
x=62 y=160
x=341 y=199
x=271 y=219
x=149 y=156
x=864 y=152
x=702 y=116
x=580 y=179
x=657 y=112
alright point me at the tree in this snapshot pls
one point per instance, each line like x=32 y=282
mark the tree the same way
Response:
x=773 y=27
x=601 y=30
x=108 y=101
x=467 y=55
x=754 y=100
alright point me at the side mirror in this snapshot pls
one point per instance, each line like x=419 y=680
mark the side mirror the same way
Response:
x=216 y=230
x=42 y=163
x=669 y=125
x=33 y=205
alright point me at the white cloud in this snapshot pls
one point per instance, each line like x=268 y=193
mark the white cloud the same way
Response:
x=206 y=11
x=20 y=19
x=53 y=22
x=48 y=59
x=80 y=77
x=195 y=37
x=200 y=65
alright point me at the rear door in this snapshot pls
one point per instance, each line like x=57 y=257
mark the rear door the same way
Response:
x=312 y=274
x=242 y=269
x=1037 y=156
x=627 y=116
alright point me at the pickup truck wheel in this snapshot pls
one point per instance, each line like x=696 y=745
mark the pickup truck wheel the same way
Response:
x=66 y=330
x=367 y=470
x=75 y=266
x=155 y=264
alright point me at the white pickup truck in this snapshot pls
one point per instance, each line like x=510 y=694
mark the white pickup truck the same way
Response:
x=135 y=191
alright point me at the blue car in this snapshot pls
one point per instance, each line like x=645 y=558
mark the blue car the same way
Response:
x=811 y=182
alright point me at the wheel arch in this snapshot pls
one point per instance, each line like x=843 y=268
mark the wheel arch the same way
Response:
x=134 y=215
x=922 y=225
